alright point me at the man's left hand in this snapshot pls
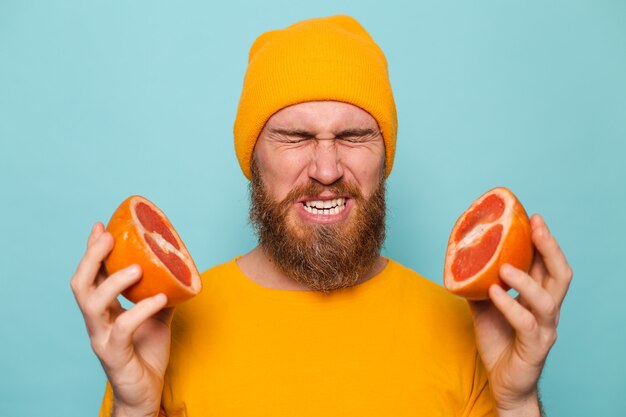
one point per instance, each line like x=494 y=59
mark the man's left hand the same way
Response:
x=514 y=335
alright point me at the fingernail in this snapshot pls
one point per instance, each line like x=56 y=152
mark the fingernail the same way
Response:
x=546 y=230
x=132 y=270
x=506 y=269
x=497 y=290
x=160 y=298
x=101 y=237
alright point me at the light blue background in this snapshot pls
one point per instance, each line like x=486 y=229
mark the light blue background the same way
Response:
x=103 y=99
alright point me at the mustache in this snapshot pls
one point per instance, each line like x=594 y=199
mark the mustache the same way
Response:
x=315 y=189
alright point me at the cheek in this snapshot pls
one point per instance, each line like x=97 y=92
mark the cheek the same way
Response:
x=368 y=169
x=280 y=176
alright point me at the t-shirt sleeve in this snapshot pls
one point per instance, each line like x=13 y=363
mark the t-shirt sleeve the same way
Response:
x=481 y=402
x=107 y=402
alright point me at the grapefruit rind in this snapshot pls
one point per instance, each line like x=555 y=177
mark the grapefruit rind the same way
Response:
x=131 y=248
x=515 y=248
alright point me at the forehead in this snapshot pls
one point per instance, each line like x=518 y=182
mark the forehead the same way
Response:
x=322 y=115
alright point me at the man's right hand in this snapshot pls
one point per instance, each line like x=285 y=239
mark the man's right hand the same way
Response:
x=133 y=345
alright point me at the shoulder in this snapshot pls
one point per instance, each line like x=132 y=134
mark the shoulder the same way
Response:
x=220 y=270
x=427 y=290
x=431 y=301
x=217 y=277
x=214 y=280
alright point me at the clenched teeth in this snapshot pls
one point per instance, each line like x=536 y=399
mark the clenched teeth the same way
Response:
x=328 y=207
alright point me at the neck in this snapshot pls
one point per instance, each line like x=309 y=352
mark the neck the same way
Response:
x=258 y=266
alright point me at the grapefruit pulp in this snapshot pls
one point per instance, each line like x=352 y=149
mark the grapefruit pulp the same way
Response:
x=493 y=231
x=144 y=236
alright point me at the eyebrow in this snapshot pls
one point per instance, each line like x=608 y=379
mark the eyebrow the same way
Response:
x=359 y=132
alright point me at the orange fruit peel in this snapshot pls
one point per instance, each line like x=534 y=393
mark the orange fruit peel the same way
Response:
x=493 y=231
x=144 y=236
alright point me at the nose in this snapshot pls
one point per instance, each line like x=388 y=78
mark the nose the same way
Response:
x=325 y=165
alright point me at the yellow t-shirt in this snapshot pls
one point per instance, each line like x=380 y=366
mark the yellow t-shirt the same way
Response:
x=396 y=345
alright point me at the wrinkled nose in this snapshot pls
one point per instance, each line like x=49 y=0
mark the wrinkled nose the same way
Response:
x=325 y=165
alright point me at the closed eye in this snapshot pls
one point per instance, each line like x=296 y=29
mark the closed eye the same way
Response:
x=354 y=139
x=358 y=135
x=348 y=135
x=291 y=135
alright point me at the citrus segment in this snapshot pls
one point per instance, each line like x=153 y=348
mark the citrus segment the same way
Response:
x=152 y=222
x=494 y=230
x=489 y=210
x=144 y=236
x=471 y=259
x=171 y=261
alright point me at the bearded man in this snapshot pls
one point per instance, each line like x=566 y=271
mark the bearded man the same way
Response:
x=314 y=321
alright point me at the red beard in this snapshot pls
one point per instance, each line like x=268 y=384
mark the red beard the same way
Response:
x=324 y=257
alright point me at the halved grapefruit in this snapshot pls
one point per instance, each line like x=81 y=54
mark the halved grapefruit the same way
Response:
x=494 y=230
x=144 y=236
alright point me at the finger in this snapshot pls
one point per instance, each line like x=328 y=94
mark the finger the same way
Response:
x=537 y=272
x=165 y=316
x=538 y=269
x=534 y=296
x=96 y=231
x=127 y=323
x=89 y=265
x=106 y=294
x=520 y=319
x=102 y=275
x=560 y=273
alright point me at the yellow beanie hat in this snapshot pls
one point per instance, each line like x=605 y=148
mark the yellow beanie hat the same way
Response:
x=331 y=58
